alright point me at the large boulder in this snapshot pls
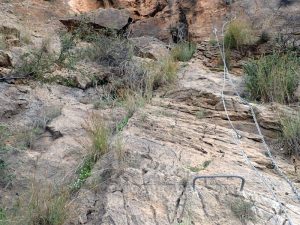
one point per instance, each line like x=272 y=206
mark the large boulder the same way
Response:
x=101 y=18
x=150 y=47
x=83 y=77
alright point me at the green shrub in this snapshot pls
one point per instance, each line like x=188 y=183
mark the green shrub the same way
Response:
x=184 y=51
x=273 y=78
x=198 y=168
x=67 y=41
x=120 y=126
x=110 y=50
x=290 y=127
x=84 y=172
x=264 y=37
x=4 y=134
x=239 y=33
x=242 y=209
x=200 y=114
x=35 y=64
x=213 y=42
x=5 y=175
x=3 y=219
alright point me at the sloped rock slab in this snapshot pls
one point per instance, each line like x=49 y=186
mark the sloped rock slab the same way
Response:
x=102 y=18
x=149 y=47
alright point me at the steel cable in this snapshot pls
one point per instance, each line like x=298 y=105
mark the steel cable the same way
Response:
x=237 y=136
x=278 y=170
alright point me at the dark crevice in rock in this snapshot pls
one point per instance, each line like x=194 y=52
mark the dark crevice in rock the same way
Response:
x=154 y=215
x=159 y=7
x=55 y=134
x=180 y=202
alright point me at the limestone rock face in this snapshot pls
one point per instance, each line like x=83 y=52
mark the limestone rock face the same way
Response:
x=181 y=134
x=169 y=20
x=146 y=176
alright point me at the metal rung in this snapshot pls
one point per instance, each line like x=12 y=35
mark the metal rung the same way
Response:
x=221 y=176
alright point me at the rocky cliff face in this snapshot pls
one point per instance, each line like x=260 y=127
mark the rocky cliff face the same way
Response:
x=147 y=176
x=182 y=134
x=191 y=19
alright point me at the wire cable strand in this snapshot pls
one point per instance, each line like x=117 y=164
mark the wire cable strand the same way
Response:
x=236 y=135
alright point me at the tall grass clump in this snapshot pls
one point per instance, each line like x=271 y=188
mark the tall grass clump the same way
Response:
x=184 y=51
x=290 y=127
x=47 y=208
x=162 y=72
x=273 y=78
x=99 y=135
x=238 y=34
x=3 y=44
x=41 y=205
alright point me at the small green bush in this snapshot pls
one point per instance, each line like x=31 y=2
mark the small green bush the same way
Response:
x=264 y=37
x=198 y=168
x=3 y=219
x=110 y=50
x=84 y=172
x=290 y=127
x=120 y=126
x=184 y=51
x=67 y=41
x=35 y=64
x=213 y=42
x=273 y=78
x=200 y=114
x=4 y=134
x=238 y=34
x=242 y=209
x=5 y=176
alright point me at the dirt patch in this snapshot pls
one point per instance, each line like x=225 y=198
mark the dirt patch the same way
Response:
x=80 y=6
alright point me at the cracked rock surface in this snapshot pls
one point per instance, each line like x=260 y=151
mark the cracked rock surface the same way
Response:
x=183 y=133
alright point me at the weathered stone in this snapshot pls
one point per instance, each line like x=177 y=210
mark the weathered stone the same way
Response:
x=101 y=18
x=11 y=101
x=85 y=75
x=5 y=60
x=178 y=137
x=150 y=47
x=11 y=35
